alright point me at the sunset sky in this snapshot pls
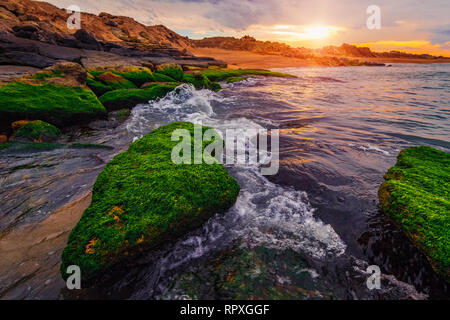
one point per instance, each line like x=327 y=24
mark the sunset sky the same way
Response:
x=408 y=25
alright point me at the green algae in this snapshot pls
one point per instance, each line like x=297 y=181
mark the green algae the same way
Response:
x=201 y=81
x=119 y=99
x=108 y=81
x=171 y=70
x=159 y=77
x=142 y=199
x=53 y=103
x=416 y=197
x=37 y=131
x=223 y=75
x=252 y=274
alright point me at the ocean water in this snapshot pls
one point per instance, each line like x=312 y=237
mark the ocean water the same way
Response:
x=340 y=130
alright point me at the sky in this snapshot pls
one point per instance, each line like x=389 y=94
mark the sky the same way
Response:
x=416 y=26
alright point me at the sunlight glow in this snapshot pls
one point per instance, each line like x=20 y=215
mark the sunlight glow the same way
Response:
x=306 y=33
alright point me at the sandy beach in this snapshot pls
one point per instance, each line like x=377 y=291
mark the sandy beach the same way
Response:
x=249 y=60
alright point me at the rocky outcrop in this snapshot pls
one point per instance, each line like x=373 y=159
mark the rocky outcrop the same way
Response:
x=142 y=200
x=36 y=34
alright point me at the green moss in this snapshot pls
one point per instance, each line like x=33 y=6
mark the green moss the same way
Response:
x=46 y=75
x=159 y=77
x=222 y=75
x=108 y=81
x=416 y=197
x=142 y=199
x=201 y=81
x=135 y=74
x=37 y=131
x=171 y=70
x=252 y=274
x=56 y=104
x=235 y=79
x=119 y=99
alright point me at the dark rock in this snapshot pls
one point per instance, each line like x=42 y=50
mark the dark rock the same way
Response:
x=87 y=40
x=27 y=59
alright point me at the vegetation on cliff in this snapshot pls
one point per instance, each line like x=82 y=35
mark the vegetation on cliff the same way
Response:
x=142 y=199
x=416 y=197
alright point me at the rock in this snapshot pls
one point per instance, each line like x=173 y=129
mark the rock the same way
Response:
x=68 y=70
x=3 y=138
x=9 y=73
x=27 y=59
x=118 y=99
x=36 y=131
x=19 y=123
x=107 y=81
x=142 y=200
x=41 y=100
x=149 y=65
x=415 y=197
x=87 y=40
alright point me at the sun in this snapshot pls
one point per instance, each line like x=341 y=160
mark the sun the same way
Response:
x=313 y=32
x=317 y=32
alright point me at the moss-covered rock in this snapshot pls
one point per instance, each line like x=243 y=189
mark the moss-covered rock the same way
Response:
x=201 y=81
x=159 y=77
x=37 y=131
x=142 y=199
x=223 y=75
x=172 y=70
x=135 y=74
x=119 y=99
x=108 y=81
x=252 y=274
x=416 y=196
x=56 y=104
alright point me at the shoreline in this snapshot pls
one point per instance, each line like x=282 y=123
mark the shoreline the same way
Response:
x=249 y=60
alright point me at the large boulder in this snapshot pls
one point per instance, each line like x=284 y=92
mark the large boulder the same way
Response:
x=416 y=197
x=142 y=199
